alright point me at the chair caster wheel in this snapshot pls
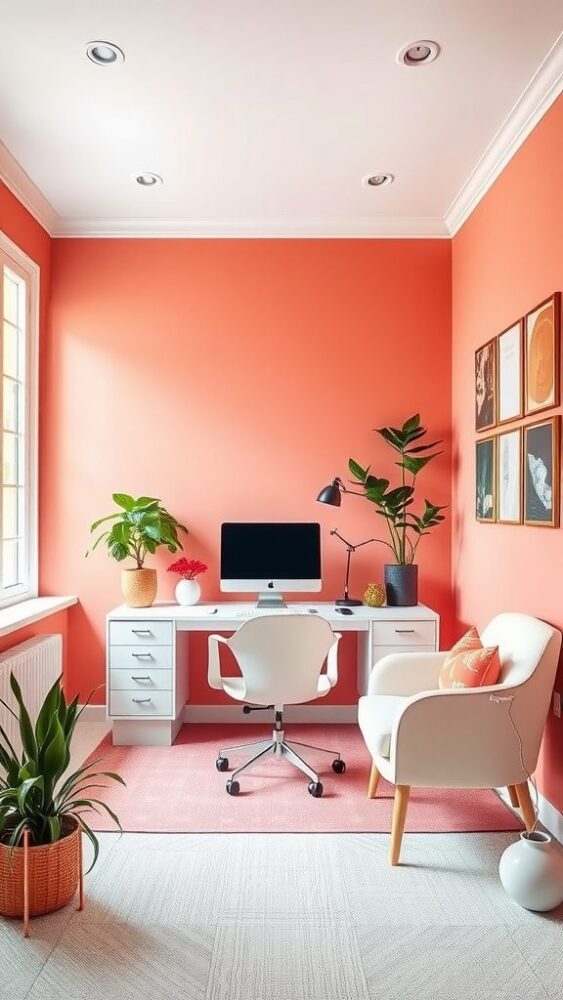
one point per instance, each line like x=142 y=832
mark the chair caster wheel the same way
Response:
x=315 y=789
x=338 y=766
x=233 y=787
x=222 y=763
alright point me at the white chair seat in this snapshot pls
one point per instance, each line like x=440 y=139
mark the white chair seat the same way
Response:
x=377 y=715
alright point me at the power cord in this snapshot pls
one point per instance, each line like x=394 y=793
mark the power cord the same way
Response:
x=509 y=699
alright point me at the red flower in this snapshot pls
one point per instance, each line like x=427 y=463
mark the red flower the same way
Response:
x=188 y=569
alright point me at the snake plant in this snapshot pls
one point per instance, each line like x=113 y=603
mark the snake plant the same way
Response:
x=35 y=791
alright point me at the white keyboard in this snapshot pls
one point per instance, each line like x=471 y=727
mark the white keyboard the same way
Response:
x=260 y=612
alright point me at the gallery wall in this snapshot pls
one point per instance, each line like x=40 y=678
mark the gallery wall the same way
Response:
x=507 y=258
x=233 y=379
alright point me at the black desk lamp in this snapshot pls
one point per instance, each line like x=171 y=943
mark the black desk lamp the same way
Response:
x=332 y=495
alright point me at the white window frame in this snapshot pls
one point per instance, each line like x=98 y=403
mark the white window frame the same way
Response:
x=30 y=271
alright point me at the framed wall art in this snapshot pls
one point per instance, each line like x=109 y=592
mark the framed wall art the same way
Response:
x=542 y=342
x=541 y=458
x=485 y=385
x=509 y=370
x=485 y=480
x=509 y=476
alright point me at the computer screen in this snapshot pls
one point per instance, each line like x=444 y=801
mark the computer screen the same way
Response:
x=270 y=556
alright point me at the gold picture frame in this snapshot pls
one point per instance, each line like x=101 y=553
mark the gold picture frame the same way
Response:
x=542 y=356
x=509 y=487
x=510 y=382
x=486 y=480
x=541 y=477
x=485 y=386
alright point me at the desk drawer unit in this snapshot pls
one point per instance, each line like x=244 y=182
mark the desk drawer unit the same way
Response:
x=404 y=633
x=141 y=674
x=398 y=636
x=153 y=657
x=140 y=679
x=141 y=703
x=139 y=633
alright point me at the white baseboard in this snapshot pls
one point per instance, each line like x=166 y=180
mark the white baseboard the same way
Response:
x=293 y=713
x=93 y=713
x=234 y=713
x=548 y=815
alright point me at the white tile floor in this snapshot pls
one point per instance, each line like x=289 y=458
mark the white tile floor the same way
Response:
x=289 y=917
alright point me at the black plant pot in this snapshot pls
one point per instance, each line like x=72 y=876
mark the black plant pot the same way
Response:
x=401 y=585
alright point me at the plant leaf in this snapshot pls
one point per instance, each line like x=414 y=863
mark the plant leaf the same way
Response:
x=123 y=500
x=356 y=470
x=27 y=734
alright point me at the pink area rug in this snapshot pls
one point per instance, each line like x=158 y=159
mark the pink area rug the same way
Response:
x=178 y=790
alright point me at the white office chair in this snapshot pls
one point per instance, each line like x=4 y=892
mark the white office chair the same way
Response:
x=280 y=658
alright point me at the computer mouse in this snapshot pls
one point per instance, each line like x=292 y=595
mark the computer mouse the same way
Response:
x=345 y=611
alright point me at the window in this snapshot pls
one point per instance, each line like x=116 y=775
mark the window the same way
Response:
x=19 y=296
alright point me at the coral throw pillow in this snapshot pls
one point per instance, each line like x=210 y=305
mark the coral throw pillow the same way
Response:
x=469 y=664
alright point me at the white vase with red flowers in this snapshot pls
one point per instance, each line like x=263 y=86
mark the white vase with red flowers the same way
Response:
x=188 y=590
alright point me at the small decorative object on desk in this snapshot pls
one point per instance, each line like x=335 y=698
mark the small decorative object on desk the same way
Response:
x=139 y=527
x=188 y=590
x=374 y=596
x=531 y=871
x=404 y=527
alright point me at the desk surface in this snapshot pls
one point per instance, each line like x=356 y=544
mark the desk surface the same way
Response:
x=231 y=614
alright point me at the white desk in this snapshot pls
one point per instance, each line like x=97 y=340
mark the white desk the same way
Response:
x=148 y=656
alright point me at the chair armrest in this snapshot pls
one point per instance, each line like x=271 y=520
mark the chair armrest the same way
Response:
x=406 y=673
x=332 y=660
x=461 y=738
x=214 y=678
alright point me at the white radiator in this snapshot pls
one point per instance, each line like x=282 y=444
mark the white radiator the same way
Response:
x=36 y=664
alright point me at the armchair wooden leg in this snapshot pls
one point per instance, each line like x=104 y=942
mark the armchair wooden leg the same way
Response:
x=400 y=804
x=374 y=777
x=513 y=797
x=526 y=805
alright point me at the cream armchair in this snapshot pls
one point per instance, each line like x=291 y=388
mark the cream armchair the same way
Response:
x=421 y=736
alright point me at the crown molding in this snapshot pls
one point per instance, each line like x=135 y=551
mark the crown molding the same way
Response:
x=385 y=227
x=27 y=193
x=542 y=91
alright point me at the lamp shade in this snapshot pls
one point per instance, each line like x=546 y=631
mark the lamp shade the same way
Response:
x=331 y=494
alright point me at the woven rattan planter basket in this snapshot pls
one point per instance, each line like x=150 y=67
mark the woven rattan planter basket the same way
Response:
x=54 y=871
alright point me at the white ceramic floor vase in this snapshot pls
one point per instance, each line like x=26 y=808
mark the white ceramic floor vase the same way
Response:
x=188 y=592
x=531 y=872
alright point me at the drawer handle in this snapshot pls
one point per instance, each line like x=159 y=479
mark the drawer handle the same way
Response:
x=141 y=631
x=142 y=656
x=133 y=678
x=141 y=701
x=404 y=631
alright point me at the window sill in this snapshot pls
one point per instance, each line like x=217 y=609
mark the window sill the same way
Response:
x=17 y=616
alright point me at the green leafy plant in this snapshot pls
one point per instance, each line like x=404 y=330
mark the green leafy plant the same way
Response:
x=405 y=528
x=35 y=792
x=139 y=527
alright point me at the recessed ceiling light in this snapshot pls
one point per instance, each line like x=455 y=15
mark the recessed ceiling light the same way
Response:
x=104 y=53
x=418 y=53
x=148 y=180
x=378 y=180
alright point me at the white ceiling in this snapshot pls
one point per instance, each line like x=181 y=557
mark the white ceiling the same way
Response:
x=263 y=116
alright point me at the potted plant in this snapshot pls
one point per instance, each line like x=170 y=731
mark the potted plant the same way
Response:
x=188 y=590
x=405 y=527
x=139 y=527
x=40 y=801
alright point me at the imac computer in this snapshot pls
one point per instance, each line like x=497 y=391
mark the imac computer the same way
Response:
x=270 y=559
